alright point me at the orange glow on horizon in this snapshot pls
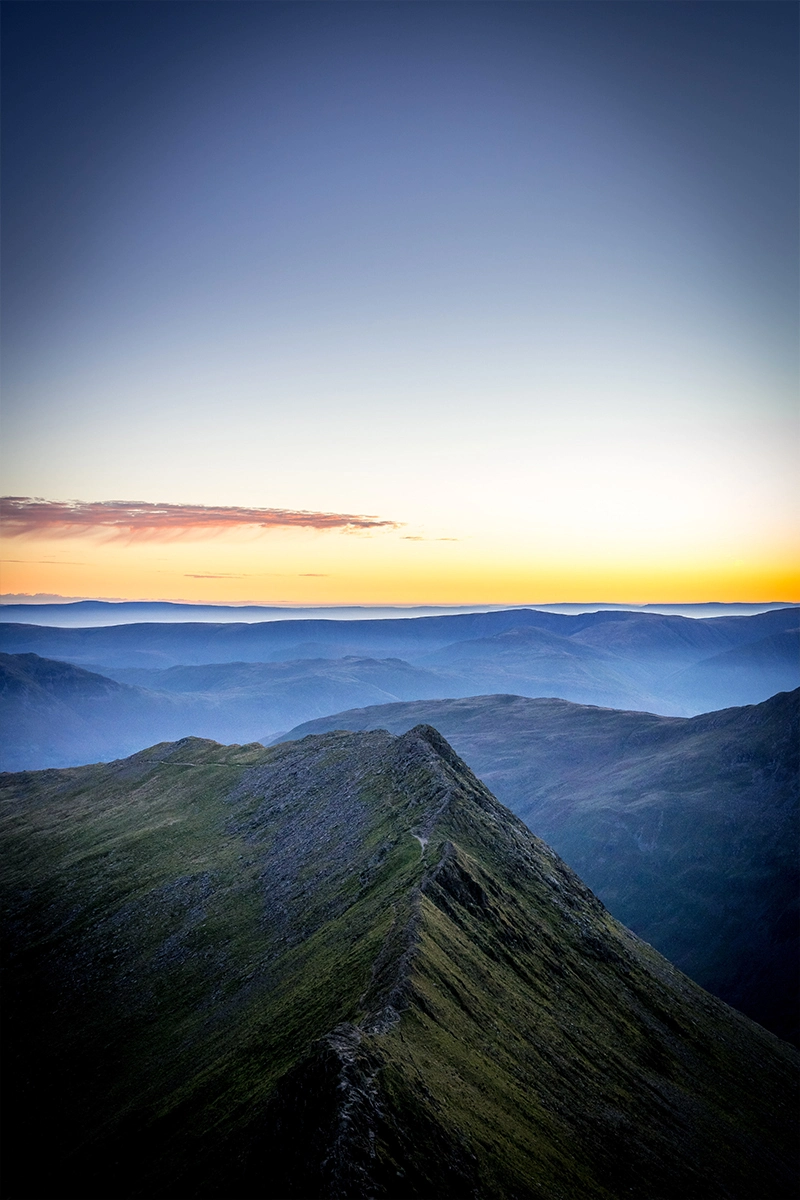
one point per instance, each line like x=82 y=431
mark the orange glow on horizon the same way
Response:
x=341 y=569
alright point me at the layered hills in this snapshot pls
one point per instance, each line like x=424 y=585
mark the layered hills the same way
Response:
x=686 y=828
x=54 y=714
x=339 y=967
x=662 y=663
x=77 y=613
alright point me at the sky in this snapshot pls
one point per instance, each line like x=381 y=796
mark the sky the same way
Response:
x=391 y=303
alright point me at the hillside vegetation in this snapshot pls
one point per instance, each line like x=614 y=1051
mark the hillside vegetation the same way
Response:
x=687 y=829
x=339 y=967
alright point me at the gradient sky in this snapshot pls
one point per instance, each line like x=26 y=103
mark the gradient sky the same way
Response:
x=500 y=298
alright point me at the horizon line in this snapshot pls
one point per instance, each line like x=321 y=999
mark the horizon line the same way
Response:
x=36 y=599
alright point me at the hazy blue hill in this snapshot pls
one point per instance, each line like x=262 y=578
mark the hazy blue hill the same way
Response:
x=671 y=639
x=740 y=675
x=631 y=660
x=54 y=714
x=171 y=644
x=536 y=662
x=198 y=643
x=87 y=613
x=674 y=639
x=622 y=659
x=740 y=631
x=686 y=828
x=248 y=678
x=340 y=968
x=245 y=696
x=26 y=677
x=713 y=608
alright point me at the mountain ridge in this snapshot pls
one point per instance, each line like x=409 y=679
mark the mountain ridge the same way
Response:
x=685 y=827
x=339 y=966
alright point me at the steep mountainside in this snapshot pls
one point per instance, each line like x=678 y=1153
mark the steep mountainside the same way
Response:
x=340 y=968
x=686 y=828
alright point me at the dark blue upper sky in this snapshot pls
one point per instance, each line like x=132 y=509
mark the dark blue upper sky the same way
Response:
x=435 y=95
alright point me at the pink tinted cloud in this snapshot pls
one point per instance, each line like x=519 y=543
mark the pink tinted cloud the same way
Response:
x=27 y=516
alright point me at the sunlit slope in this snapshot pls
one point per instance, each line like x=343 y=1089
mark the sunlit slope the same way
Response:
x=340 y=967
x=686 y=828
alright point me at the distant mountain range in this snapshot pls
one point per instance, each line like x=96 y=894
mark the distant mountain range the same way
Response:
x=340 y=968
x=78 y=613
x=668 y=664
x=687 y=829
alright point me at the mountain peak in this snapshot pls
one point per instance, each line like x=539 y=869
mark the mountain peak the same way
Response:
x=341 y=967
x=427 y=733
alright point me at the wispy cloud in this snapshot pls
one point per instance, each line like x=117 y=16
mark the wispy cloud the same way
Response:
x=52 y=597
x=410 y=537
x=27 y=516
x=256 y=575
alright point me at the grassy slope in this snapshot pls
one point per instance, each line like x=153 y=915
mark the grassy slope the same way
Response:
x=177 y=904
x=686 y=828
x=235 y=972
x=572 y=1058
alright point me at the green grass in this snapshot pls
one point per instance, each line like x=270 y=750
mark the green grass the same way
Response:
x=185 y=929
